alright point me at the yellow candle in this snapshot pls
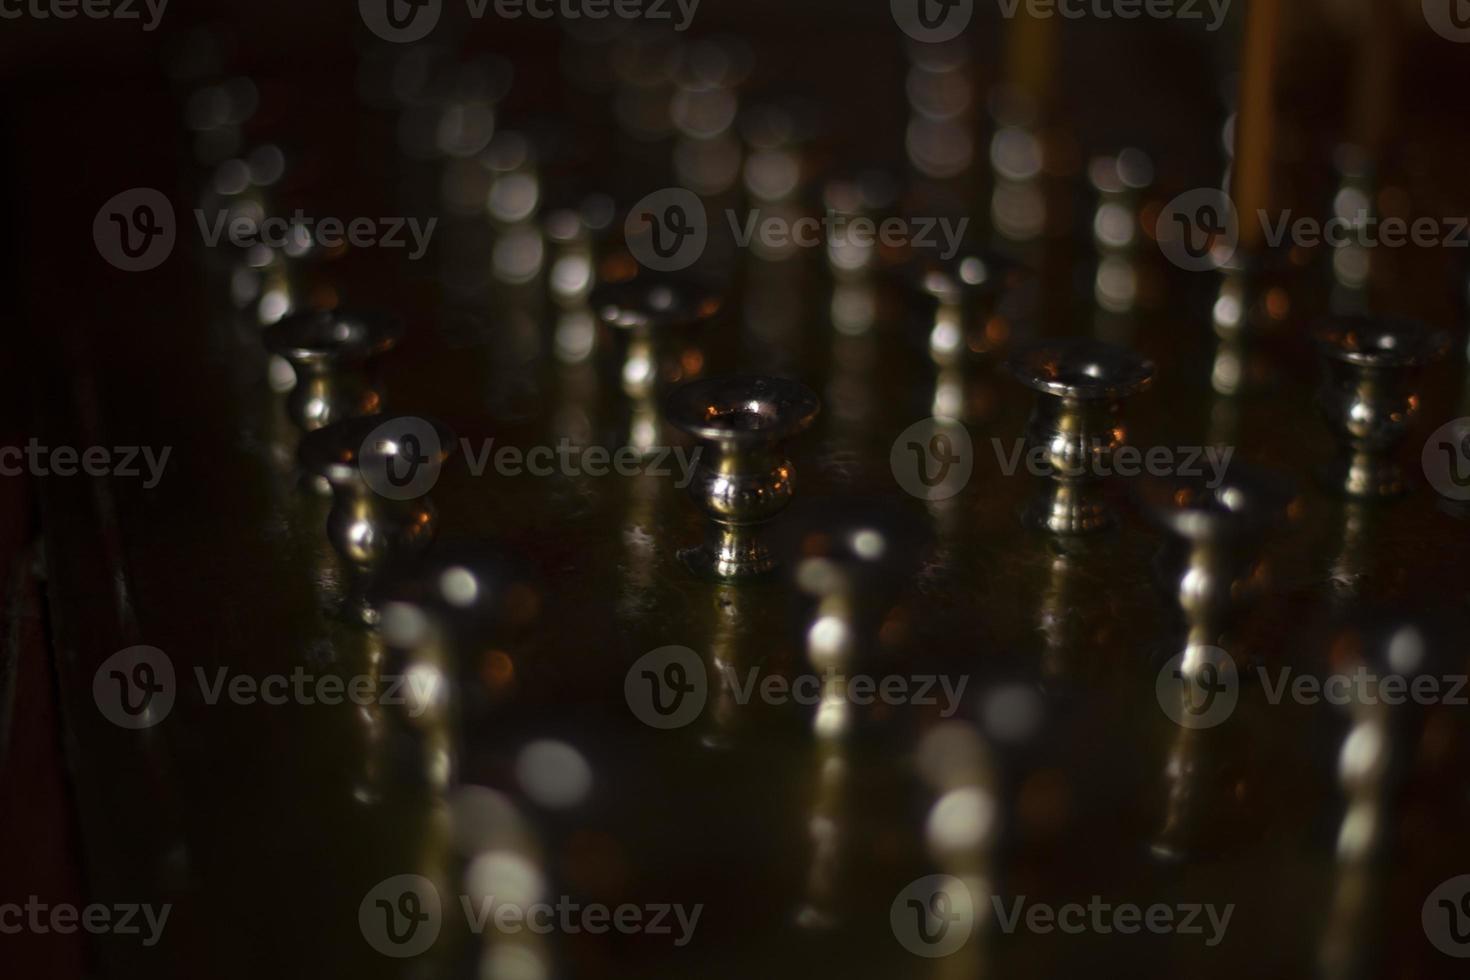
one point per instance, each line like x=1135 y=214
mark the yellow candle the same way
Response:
x=1255 y=125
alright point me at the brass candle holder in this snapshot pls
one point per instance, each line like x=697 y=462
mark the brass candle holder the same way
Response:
x=648 y=308
x=1370 y=397
x=743 y=479
x=380 y=470
x=1078 y=422
x=329 y=352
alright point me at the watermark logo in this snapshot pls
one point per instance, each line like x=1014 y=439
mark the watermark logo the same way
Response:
x=1199 y=230
x=1199 y=687
x=933 y=916
x=933 y=459
x=932 y=21
x=667 y=688
x=1450 y=19
x=668 y=230
x=1446 y=460
x=1446 y=917
x=134 y=688
x=135 y=230
x=402 y=458
x=400 y=21
x=401 y=916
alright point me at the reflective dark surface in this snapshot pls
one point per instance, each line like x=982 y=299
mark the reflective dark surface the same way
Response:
x=1047 y=762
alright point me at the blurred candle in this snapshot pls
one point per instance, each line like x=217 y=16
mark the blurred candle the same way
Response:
x=1255 y=127
x=1376 y=89
x=1029 y=59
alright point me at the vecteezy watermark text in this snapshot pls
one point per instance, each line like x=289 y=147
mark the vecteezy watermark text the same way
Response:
x=667 y=231
x=123 y=919
x=570 y=917
x=925 y=690
x=1200 y=687
x=847 y=231
x=938 y=21
x=403 y=915
x=135 y=230
x=573 y=460
x=406 y=21
x=414 y=465
x=1366 y=230
x=416 y=691
x=117 y=461
x=679 y=12
x=934 y=458
x=90 y=9
x=669 y=687
x=1212 y=12
x=1200 y=230
x=935 y=916
x=1363 y=686
x=1212 y=462
x=302 y=229
x=136 y=688
x=1102 y=917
